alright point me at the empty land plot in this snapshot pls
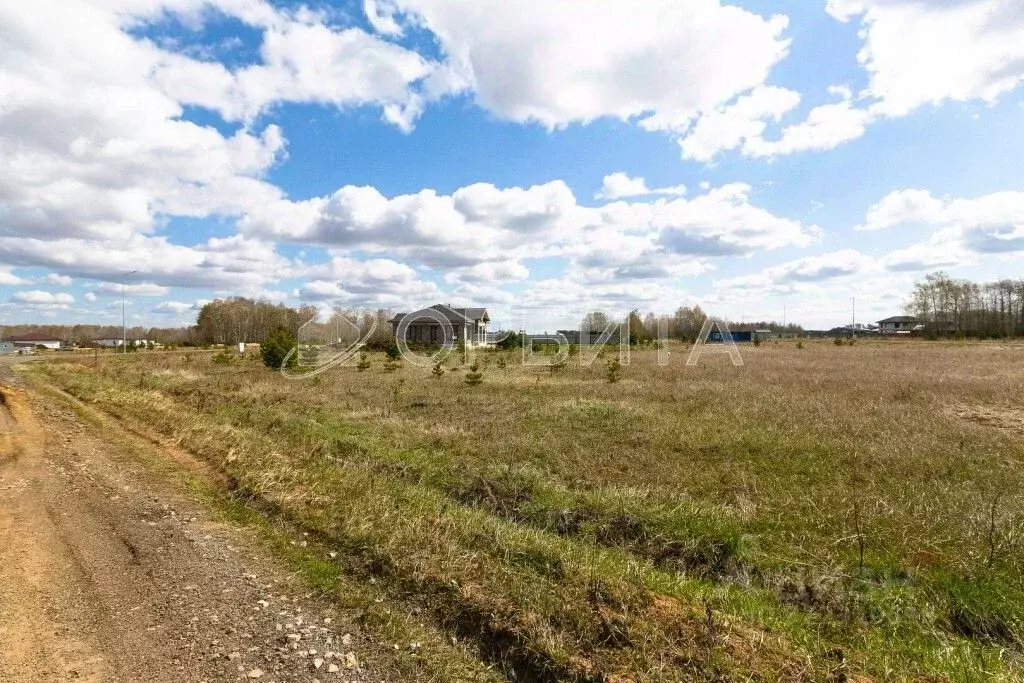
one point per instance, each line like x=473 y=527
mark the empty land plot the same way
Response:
x=820 y=513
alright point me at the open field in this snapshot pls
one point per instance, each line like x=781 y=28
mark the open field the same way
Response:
x=821 y=513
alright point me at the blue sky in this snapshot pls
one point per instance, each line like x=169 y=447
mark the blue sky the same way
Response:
x=538 y=158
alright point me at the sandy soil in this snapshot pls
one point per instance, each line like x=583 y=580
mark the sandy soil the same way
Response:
x=110 y=572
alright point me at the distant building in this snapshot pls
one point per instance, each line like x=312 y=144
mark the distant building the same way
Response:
x=591 y=337
x=897 y=324
x=31 y=340
x=735 y=335
x=429 y=325
x=116 y=342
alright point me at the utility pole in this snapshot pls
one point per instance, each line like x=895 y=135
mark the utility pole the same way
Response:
x=124 y=326
x=853 y=318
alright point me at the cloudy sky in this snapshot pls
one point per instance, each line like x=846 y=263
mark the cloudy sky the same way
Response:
x=538 y=157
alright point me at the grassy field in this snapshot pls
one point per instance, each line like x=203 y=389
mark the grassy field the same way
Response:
x=820 y=513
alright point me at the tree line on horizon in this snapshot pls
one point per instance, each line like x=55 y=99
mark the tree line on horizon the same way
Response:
x=948 y=306
x=84 y=334
x=684 y=324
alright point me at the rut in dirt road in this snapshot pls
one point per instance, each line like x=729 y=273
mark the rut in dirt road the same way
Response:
x=107 y=574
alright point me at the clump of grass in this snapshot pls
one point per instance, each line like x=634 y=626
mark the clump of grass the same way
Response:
x=697 y=542
x=505 y=494
x=701 y=546
x=985 y=608
x=599 y=412
x=364 y=362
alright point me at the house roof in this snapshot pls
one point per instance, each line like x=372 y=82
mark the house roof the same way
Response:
x=32 y=337
x=899 y=319
x=452 y=314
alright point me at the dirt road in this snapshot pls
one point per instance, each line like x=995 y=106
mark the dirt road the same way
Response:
x=110 y=572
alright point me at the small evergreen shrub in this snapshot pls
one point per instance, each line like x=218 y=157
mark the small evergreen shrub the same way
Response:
x=224 y=357
x=276 y=347
x=613 y=370
x=474 y=376
x=364 y=362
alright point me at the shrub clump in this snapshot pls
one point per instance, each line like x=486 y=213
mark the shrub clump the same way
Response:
x=474 y=376
x=277 y=347
x=224 y=357
x=438 y=370
x=613 y=370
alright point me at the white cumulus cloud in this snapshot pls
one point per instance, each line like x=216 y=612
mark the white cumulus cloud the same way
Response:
x=39 y=298
x=965 y=229
x=135 y=289
x=567 y=61
x=9 y=278
x=810 y=270
x=483 y=224
x=920 y=52
x=916 y=53
x=620 y=185
x=177 y=308
x=903 y=206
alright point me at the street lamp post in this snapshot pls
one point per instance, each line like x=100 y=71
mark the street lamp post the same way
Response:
x=124 y=326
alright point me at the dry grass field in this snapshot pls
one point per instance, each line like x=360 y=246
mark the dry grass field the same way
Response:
x=820 y=513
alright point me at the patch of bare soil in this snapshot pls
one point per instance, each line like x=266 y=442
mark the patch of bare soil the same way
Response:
x=106 y=574
x=1008 y=419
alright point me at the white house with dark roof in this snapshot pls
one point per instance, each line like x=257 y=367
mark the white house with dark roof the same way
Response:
x=897 y=324
x=31 y=340
x=429 y=325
